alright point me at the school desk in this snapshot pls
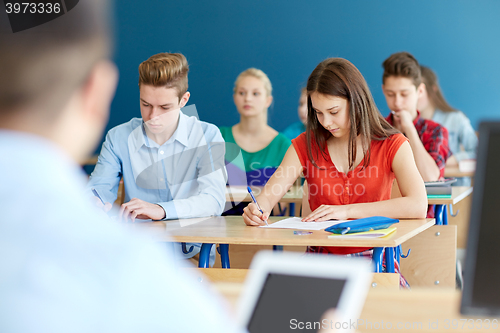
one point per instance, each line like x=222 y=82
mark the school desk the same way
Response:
x=418 y=310
x=225 y=230
x=455 y=172
x=458 y=193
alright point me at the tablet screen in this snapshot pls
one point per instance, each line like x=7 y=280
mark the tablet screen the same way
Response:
x=288 y=302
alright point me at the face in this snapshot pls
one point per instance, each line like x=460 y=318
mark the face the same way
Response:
x=332 y=113
x=401 y=94
x=250 y=97
x=160 y=107
x=302 y=110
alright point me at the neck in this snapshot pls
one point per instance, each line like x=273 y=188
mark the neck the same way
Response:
x=253 y=125
x=428 y=112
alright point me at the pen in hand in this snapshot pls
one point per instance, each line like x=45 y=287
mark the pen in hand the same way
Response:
x=255 y=201
x=97 y=195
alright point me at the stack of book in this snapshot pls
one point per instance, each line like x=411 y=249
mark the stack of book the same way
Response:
x=440 y=189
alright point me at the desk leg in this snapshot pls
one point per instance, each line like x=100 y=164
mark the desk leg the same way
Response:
x=438 y=214
x=205 y=255
x=292 y=209
x=224 y=255
x=377 y=258
x=389 y=260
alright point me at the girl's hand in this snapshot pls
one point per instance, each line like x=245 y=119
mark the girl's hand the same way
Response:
x=327 y=212
x=253 y=217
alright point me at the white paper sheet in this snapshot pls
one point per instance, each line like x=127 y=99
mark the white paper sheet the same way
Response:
x=296 y=223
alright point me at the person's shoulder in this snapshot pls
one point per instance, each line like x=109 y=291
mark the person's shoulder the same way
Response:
x=209 y=130
x=282 y=139
x=125 y=128
x=225 y=131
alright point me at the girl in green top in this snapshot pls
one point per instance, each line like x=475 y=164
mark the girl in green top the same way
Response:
x=261 y=146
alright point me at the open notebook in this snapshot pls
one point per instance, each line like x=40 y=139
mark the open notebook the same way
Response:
x=285 y=291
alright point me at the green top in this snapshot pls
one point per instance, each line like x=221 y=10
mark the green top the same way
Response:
x=258 y=166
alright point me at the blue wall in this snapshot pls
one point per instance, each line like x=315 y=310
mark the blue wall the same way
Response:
x=459 y=39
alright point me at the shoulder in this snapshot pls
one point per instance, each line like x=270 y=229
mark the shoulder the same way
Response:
x=194 y=126
x=433 y=127
x=395 y=140
x=226 y=131
x=281 y=140
x=125 y=128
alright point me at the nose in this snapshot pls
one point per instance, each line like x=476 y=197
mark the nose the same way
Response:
x=398 y=101
x=155 y=112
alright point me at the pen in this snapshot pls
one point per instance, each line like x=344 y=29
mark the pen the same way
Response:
x=97 y=195
x=255 y=201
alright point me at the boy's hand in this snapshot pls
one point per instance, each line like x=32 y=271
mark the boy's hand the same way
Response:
x=106 y=207
x=403 y=120
x=253 y=217
x=137 y=208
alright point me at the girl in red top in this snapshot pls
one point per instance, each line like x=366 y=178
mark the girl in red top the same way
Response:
x=349 y=156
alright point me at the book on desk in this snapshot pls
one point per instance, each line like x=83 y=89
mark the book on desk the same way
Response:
x=440 y=188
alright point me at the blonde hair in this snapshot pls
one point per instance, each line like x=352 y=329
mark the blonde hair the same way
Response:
x=257 y=73
x=165 y=70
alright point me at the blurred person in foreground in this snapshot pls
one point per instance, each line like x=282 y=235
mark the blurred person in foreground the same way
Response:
x=66 y=267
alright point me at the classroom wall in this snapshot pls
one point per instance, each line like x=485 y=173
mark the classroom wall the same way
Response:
x=287 y=39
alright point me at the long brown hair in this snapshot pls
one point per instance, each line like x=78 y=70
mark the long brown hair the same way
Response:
x=434 y=90
x=339 y=77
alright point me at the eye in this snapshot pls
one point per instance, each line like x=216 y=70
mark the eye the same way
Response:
x=165 y=107
x=241 y=93
x=146 y=105
x=256 y=93
x=334 y=112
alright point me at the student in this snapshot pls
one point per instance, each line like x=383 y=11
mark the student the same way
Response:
x=295 y=129
x=349 y=156
x=172 y=165
x=65 y=267
x=402 y=86
x=262 y=147
x=433 y=105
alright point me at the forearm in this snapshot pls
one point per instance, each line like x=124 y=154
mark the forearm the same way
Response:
x=202 y=205
x=404 y=207
x=425 y=163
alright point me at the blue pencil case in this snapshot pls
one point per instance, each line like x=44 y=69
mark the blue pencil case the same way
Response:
x=359 y=225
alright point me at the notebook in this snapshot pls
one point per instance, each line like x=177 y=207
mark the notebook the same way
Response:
x=287 y=291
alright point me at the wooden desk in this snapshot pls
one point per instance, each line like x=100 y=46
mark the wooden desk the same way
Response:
x=231 y=230
x=458 y=193
x=421 y=310
x=455 y=172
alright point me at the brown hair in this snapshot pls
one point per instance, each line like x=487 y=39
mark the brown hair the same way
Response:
x=434 y=90
x=42 y=66
x=339 y=77
x=402 y=64
x=168 y=70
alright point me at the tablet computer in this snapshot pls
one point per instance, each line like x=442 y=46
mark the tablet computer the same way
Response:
x=286 y=291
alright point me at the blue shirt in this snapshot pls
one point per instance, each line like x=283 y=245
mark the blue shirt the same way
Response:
x=65 y=267
x=185 y=175
x=461 y=136
x=294 y=130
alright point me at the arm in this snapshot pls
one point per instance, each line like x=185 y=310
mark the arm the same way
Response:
x=467 y=138
x=411 y=204
x=107 y=173
x=279 y=183
x=425 y=163
x=210 y=198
